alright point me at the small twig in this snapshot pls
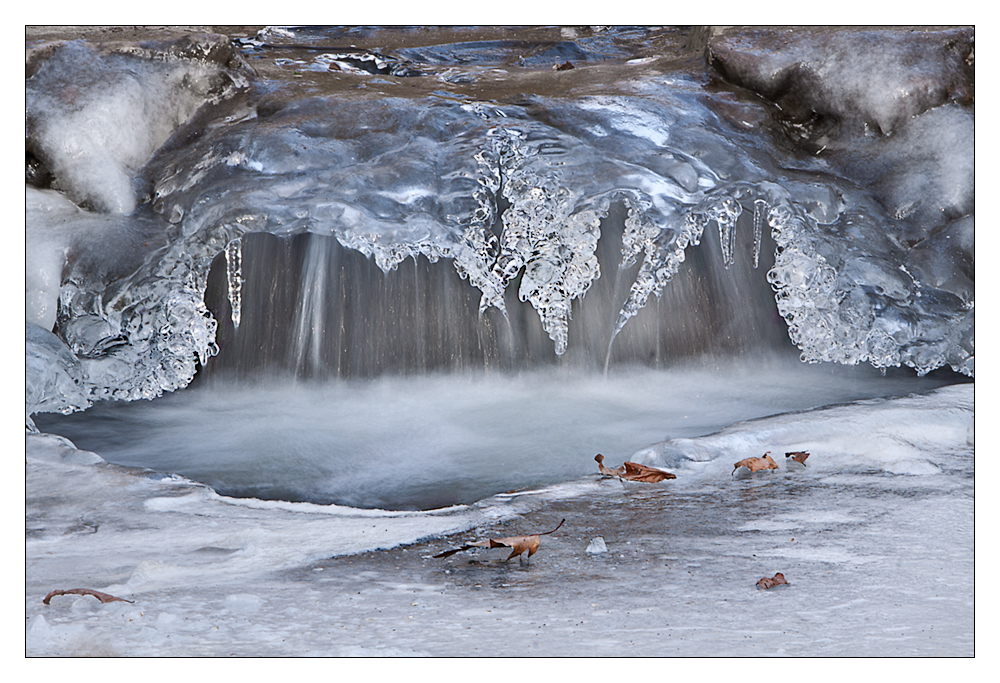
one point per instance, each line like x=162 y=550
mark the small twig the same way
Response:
x=103 y=597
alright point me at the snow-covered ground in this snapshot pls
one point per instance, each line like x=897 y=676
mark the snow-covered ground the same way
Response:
x=875 y=537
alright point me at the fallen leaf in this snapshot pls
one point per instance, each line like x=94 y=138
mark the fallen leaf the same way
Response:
x=517 y=544
x=563 y=67
x=770 y=582
x=798 y=456
x=637 y=472
x=103 y=597
x=633 y=471
x=757 y=464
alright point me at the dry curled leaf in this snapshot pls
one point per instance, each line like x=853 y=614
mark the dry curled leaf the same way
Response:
x=517 y=544
x=103 y=597
x=770 y=582
x=757 y=464
x=798 y=456
x=632 y=471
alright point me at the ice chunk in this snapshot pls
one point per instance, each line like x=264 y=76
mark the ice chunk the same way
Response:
x=597 y=546
x=53 y=379
x=47 y=241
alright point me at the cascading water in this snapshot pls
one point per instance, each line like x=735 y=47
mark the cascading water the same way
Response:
x=342 y=218
x=401 y=270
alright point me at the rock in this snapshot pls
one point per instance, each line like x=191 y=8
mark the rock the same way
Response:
x=820 y=77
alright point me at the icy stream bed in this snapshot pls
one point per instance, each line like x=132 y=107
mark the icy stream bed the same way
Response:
x=306 y=306
x=875 y=537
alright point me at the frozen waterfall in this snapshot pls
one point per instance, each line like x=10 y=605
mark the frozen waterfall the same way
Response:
x=177 y=153
x=386 y=290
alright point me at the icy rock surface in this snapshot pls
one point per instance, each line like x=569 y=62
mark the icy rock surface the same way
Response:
x=824 y=79
x=95 y=119
x=509 y=175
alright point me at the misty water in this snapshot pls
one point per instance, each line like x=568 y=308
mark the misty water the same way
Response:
x=307 y=306
x=432 y=442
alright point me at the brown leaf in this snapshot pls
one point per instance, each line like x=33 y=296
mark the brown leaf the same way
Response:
x=633 y=471
x=770 y=582
x=757 y=464
x=798 y=456
x=517 y=544
x=103 y=597
x=636 y=472
x=563 y=67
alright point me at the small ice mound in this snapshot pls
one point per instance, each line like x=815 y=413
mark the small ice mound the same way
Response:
x=890 y=435
x=597 y=546
x=245 y=603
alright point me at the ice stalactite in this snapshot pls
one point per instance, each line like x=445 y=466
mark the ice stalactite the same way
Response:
x=759 y=209
x=725 y=215
x=663 y=250
x=546 y=236
x=234 y=278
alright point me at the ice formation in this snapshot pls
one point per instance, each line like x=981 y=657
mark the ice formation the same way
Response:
x=184 y=142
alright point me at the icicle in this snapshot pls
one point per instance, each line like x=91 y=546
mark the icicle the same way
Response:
x=726 y=214
x=724 y=235
x=732 y=242
x=234 y=273
x=759 y=209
